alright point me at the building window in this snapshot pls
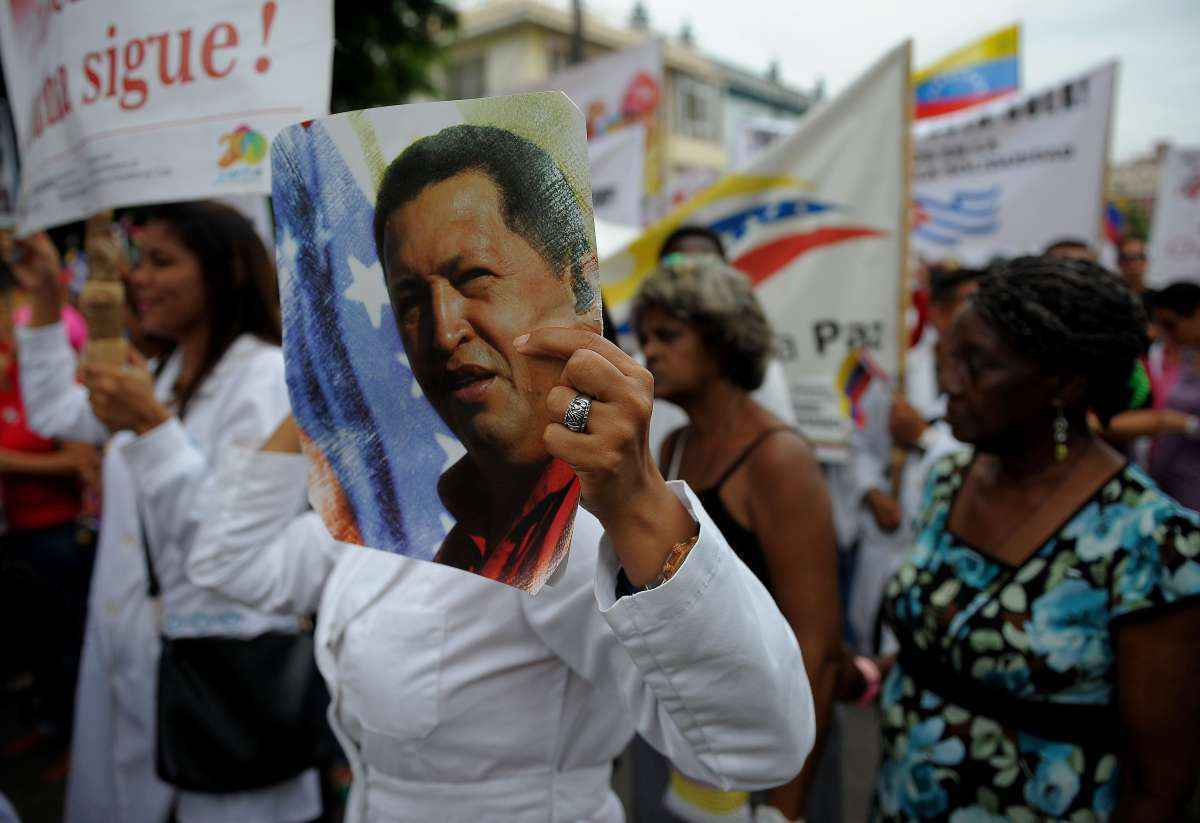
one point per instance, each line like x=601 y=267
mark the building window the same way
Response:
x=697 y=112
x=467 y=79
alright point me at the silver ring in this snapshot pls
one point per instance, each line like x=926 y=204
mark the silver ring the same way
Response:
x=575 y=417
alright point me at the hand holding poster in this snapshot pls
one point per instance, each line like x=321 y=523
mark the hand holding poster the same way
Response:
x=414 y=245
x=818 y=222
x=1175 y=234
x=123 y=102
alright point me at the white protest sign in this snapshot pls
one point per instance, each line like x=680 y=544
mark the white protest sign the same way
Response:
x=125 y=102
x=1175 y=234
x=1018 y=178
x=617 y=162
x=619 y=91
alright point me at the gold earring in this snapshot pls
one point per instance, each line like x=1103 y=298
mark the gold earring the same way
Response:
x=1060 y=433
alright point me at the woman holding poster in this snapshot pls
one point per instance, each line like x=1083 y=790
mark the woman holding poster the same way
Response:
x=204 y=281
x=499 y=681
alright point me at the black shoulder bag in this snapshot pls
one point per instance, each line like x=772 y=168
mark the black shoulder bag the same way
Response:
x=237 y=714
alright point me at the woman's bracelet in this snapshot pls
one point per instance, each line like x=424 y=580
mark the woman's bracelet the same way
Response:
x=673 y=561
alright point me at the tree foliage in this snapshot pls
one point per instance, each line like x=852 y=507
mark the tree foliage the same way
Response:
x=384 y=50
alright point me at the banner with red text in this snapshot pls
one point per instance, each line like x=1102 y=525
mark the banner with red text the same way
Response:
x=818 y=223
x=120 y=102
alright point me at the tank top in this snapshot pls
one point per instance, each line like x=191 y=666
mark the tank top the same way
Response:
x=745 y=543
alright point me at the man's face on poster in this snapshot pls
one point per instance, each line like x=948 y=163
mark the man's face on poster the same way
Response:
x=463 y=286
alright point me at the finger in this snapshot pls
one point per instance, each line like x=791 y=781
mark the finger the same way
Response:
x=601 y=415
x=563 y=342
x=578 y=450
x=590 y=373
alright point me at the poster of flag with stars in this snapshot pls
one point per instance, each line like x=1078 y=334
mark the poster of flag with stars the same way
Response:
x=818 y=222
x=414 y=244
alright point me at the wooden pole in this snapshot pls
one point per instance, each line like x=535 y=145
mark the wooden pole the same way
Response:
x=102 y=301
x=904 y=276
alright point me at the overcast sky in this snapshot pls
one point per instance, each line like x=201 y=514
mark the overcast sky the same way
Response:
x=1157 y=42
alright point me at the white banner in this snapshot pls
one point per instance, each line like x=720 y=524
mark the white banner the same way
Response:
x=1018 y=178
x=756 y=135
x=618 y=91
x=617 y=161
x=1175 y=233
x=124 y=102
x=817 y=222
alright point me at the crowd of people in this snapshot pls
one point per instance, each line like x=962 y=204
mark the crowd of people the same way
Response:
x=1007 y=568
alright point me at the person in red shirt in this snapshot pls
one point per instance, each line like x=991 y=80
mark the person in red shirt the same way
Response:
x=45 y=554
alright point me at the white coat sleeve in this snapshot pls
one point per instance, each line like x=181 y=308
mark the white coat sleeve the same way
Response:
x=871 y=444
x=706 y=665
x=55 y=405
x=255 y=545
x=172 y=472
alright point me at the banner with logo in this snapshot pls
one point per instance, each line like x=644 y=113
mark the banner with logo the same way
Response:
x=818 y=223
x=618 y=91
x=617 y=162
x=1018 y=178
x=125 y=102
x=1175 y=234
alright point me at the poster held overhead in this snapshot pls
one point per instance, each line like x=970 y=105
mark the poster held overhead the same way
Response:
x=414 y=245
x=126 y=102
x=1175 y=234
x=817 y=222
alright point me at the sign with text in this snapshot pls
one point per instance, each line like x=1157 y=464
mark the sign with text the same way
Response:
x=124 y=102
x=1017 y=178
x=1175 y=234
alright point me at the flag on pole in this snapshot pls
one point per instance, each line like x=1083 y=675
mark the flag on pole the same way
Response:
x=976 y=73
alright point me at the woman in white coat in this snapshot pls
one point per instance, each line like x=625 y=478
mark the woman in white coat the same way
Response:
x=457 y=698
x=204 y=282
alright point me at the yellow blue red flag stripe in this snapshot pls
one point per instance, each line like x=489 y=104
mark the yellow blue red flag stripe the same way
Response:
x=976 y=73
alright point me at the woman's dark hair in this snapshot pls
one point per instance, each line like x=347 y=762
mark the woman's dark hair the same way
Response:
x=1072 y=318
x=718 y=300
x=1183 y=298
x=239 y=278
x=683 y=232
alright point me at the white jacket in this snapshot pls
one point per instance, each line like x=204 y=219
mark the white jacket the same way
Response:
x=167 y=473
x=461 y=699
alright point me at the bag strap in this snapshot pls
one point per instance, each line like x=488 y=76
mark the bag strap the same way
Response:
x=153 y=589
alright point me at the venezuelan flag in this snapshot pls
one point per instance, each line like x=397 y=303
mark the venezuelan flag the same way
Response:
x=973 y=74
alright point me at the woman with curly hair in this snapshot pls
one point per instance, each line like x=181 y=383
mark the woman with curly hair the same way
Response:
x=706 y=340
x=1048 y=615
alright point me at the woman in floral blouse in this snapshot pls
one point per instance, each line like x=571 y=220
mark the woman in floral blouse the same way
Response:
x=1048 y=616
